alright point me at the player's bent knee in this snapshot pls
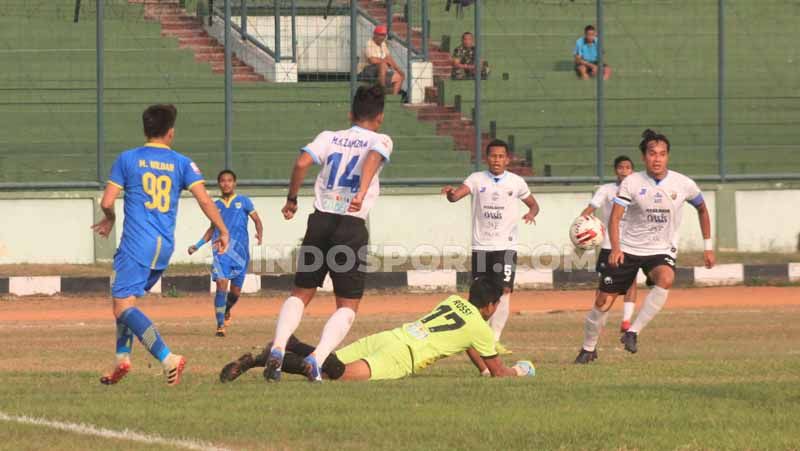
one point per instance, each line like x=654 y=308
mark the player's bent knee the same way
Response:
x=304 y=294
x=120 y=305
x=602 y=299
x=665 y=283
x=352 y=304
x=663 y=276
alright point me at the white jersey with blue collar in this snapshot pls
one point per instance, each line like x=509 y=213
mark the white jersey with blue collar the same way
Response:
x=341 y=155
x=495 y=209
x=653 y=211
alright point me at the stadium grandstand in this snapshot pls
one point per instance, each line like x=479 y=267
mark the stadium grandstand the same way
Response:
x=662 y=78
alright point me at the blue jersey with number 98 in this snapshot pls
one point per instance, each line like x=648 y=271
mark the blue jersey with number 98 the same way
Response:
x=152 y=177
x=342 y=154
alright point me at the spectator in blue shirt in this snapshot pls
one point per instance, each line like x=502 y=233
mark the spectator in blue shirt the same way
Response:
x=586 y=58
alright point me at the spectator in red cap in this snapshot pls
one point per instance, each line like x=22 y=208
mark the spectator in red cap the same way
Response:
x=376 y=64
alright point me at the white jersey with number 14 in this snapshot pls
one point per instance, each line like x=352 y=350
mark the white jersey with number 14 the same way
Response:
x=341 y=155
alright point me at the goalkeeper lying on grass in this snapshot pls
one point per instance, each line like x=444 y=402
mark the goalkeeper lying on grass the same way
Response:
x=454 y=326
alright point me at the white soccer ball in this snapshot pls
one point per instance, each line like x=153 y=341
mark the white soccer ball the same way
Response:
x=587 y=232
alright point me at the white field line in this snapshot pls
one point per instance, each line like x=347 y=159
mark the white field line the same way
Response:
x=125 y=434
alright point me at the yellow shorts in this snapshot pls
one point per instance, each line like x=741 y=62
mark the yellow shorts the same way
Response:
x=386 y=354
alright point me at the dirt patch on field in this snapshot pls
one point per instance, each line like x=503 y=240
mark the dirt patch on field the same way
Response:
x=60 y=308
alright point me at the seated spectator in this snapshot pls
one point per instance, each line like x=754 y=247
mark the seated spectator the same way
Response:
x=377 y=65
x=586 y=57
x=464 y=60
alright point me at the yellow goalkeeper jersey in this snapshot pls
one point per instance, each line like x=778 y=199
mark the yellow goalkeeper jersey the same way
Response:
x=453 y=326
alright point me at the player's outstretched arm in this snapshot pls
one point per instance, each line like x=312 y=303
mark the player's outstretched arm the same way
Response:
x=455 y=194
x=259 y=226
x=705 y=228
x=206 y=236
x=103 y=228
x=497 y=369
x=301 y=165
x=533 y=209
x=616 y=257
x=588 y=211
x=371 y=164
x=212 y=213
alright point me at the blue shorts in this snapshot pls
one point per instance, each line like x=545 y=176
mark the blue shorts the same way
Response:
x=225 y=267
x=131 y=277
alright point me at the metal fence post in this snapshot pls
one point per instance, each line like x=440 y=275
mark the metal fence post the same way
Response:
x=409 y=54
x=600 y=100
x=294 y=31
x=477 y=119
x=426 y=29
x=100 y=82
x=77 y=14
x=353 y=47
x=243 y=19
x=721 y=89
x=228 y=89
x=277 y=31
x=389 y=17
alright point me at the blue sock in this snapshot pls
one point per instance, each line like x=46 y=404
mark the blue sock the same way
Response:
x=220 y=300
x=146 y=332
x=124 y=339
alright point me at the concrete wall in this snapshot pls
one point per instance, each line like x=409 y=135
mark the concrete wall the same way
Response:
x=46 y=231
x=768 y=221
x=54 y=227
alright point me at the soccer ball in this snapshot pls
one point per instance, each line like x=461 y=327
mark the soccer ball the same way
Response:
x=586 y=232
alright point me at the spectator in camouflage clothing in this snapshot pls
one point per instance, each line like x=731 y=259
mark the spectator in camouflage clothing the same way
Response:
x=464 y=60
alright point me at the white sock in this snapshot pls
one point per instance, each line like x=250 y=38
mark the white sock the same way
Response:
x=334 y=332
x=288 y=320
x=627 y=310
x=653 y=303
x=595 y=321
x=498 y=321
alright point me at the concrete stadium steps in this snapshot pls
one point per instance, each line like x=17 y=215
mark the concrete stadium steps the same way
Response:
x=176 y=22
x=544 y=105
x=49 y=104
x=448 y=121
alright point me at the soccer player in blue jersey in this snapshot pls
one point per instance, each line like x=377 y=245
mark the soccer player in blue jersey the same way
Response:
x=152 y=177
x=229 y=269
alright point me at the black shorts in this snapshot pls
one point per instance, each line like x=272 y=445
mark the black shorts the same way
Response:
x=618 y=280
x=500 y=265
x=335 y=244
x=370 y=74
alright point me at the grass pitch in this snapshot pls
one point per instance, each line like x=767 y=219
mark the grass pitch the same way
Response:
x=724 y=378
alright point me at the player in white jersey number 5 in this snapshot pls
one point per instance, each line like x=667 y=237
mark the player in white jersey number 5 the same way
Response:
x=336 y=237
x=495 y=212
x=652 y=202
x=603 y=199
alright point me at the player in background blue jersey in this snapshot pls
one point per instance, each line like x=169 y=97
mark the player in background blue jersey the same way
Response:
x=229 y=269
x=152 y=177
